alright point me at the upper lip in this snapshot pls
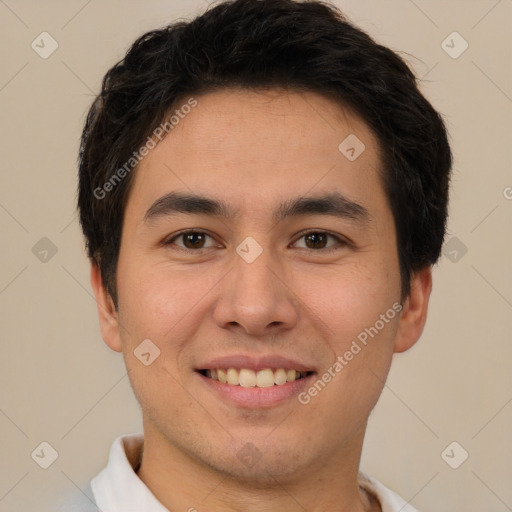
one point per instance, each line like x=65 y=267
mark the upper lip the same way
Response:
x=255 y=363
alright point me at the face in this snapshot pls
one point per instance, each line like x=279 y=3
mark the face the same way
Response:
x=284 y=267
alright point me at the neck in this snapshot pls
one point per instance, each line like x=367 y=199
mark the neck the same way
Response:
x=181 y=481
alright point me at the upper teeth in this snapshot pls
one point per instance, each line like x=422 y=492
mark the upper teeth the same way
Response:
x=249 y=378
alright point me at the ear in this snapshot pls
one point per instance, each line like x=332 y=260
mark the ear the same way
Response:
x=107 y=313
x=414 y=312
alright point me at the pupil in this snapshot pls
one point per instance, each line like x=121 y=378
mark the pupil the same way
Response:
x=317 y=238
x=190 y=237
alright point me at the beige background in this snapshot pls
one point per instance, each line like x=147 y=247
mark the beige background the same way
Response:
x=62 y=385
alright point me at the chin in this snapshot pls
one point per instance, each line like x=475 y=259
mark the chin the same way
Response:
x=260 y=462
x=263 y=473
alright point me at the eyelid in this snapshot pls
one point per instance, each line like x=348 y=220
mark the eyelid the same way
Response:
x=339 y=238
x=170 y=239
x=342 y=240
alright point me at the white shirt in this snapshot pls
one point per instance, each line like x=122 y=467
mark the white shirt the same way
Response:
x=117 y=488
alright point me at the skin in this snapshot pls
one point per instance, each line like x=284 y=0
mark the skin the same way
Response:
x=254 y=150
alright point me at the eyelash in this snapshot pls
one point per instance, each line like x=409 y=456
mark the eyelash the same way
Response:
x=342 y=241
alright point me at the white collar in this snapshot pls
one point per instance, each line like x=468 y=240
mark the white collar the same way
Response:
x=117 y=488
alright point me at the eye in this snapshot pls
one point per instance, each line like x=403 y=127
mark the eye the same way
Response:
x=314 y=240
x=192 y=240
x=317 y=240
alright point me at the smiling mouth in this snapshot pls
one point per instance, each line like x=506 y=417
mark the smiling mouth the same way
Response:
x=248 y=378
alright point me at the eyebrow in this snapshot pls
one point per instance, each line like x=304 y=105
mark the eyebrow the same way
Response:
x=334 y=204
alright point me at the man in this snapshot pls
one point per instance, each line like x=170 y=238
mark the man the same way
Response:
x=263 y=192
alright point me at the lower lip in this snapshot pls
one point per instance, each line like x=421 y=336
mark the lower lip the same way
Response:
x=255 y=397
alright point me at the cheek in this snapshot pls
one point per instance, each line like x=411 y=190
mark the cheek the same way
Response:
x=350 y=298
x=359 y=307
x=360 y=310
x=162 y=303
x=154 y=305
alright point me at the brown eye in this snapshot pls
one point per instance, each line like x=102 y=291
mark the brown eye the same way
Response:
x=190 y=240
x=318 y=241
x=193 y=240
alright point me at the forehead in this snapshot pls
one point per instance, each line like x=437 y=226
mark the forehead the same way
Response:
x=269 y=121
x=249 y=147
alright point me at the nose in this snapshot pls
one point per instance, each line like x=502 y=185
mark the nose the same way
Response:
x=256 y=298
